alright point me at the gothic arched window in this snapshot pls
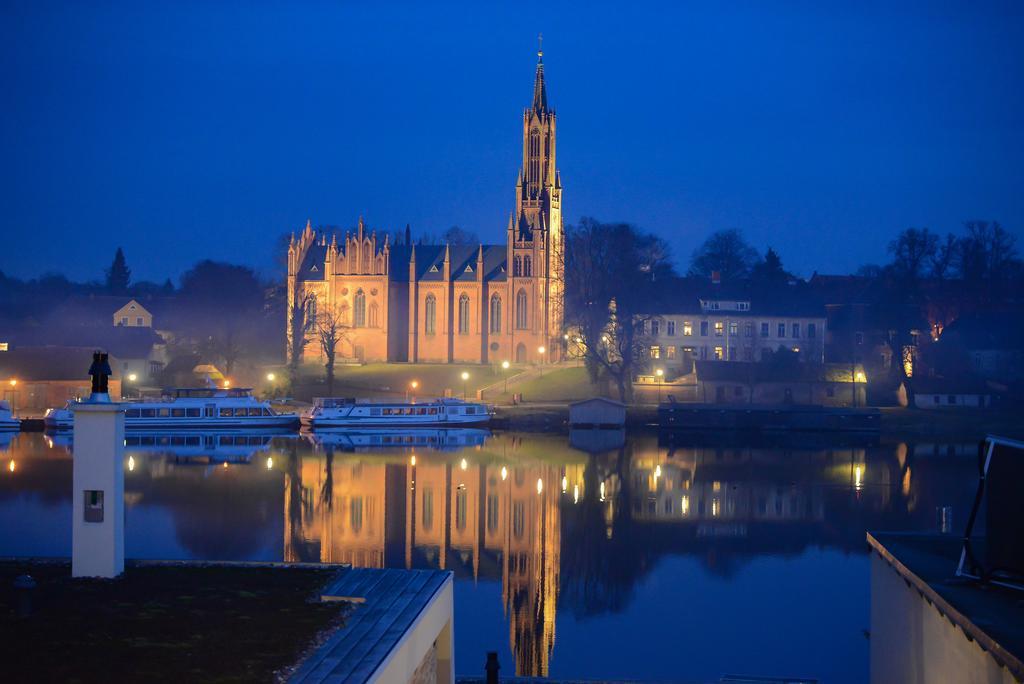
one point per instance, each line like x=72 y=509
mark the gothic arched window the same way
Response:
x=517 y=266
x=534 y=157
x=527 y=266
x=374 y=315
x=495 y=313
x=359 y=310
x=464 y=314
x=522 y=315
x=430 y=315
x=311 y=310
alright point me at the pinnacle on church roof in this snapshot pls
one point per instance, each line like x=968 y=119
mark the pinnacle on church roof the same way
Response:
x=540 y=93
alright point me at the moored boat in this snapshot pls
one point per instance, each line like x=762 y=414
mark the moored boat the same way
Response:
x=192 y=407
x=7 y=419
x=331 y=412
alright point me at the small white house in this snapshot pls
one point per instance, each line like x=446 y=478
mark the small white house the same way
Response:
x=597 y=413
x=936 y=393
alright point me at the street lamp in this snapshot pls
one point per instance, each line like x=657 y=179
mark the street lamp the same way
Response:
x=504 y=373
x=660 y=373
x=132 y=377
x=465 y=377
x=412 y=387
x=227 y=383
x=271 y=377
x=540 y=350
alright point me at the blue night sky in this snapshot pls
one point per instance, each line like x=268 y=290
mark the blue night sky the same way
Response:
x=190 y=130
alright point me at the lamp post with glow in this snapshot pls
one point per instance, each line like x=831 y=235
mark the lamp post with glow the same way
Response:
x=271 y=377
x=660 y=374
x=540 y=350
x=504 y=373
x=412 y=387
x=14 y=396
x=132 y=378
x=465 y=378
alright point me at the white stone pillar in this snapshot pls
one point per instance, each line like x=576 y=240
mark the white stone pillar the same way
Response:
x=97 y=540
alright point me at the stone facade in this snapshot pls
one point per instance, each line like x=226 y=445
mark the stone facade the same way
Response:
x=446 y=303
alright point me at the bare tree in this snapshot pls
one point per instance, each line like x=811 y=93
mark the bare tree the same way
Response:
x=609 y=270
x=330 y=332
x=725 y=252
x=912 y=250
x=301 y=325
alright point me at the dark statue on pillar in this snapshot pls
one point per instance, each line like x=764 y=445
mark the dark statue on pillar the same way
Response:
x=100 y=372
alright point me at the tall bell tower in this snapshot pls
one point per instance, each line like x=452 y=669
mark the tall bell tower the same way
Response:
x=535 y=238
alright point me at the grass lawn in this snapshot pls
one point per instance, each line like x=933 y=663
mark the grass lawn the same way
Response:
x=556 y=385
x=185 y=624
x=392 y=379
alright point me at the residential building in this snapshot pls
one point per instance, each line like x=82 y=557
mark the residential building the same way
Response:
x=812 y=384
x=694 y=320
x=33 y=379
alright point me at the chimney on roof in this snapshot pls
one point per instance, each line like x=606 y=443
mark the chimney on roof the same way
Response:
x=716 y=277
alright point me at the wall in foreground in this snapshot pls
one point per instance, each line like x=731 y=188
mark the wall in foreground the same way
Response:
x=912 y=642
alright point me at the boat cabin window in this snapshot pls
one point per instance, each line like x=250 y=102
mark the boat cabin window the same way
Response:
x=178 y=413
x=470 y=410
x=131 y=413
x=209 y=411
x=192 y=413
x=375 y=412
x=255 y=412
x=164 y=413
x=225 y=413
x=267 y=412
x=148 y=413
x=240 y=412
x=433 y=411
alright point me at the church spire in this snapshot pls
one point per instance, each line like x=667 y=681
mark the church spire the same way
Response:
x=540 y=93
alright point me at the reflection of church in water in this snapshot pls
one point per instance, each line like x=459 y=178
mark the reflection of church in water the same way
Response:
x=561 y=529
x=466 y=512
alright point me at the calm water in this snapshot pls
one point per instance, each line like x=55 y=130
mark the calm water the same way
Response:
x=647 y=560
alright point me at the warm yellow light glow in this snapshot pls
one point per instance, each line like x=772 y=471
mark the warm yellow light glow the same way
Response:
x=131 y=464
x=714 y=508
x=602 y=491
x=505 y=365
x=271 y=377
x=860 y=377
x=565 y=484
x=541 y=349
x=657 y=470
x=463 y=464
x=659 y=372
x=540 y=485
x=685 y=505
x=906 y=483
x=716 y=486
x=858 y=477
x=576 y=493
x=227 y=384
x=270 y=463
x=132 y=377
x=225 y=465
x=504 y=473
x=12 y=465
x=414 y=384
x=465 y=376
x=412 y=460
x=13 y=382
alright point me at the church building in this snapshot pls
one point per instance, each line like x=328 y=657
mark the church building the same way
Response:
x=445 y=303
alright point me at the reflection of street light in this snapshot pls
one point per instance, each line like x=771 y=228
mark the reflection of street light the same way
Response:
x=504 y=373
x=465 y=378
x=270 y=462
x=660 y=373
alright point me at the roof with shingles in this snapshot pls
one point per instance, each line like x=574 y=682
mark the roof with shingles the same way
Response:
x=391 y=600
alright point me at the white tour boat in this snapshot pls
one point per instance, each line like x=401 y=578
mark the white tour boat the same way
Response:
x=434 y=439
x=337 y=412
x=7 y=419
x=206 y=408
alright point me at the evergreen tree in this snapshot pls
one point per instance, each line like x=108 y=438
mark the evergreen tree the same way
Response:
x=770 y=270
x=118 y=275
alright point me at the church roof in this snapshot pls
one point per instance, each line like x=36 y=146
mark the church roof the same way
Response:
x=312 y=267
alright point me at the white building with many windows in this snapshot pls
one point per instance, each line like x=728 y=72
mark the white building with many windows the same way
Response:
x=693 y=321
